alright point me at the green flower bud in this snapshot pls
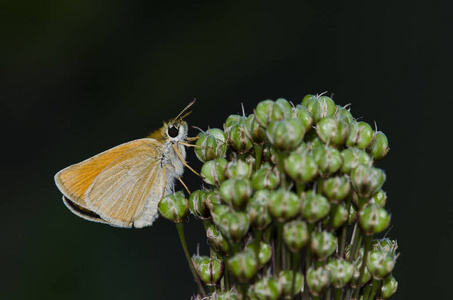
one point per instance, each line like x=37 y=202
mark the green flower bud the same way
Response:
x=313 y=141
x=332 y=131
x=216 y=240
x=341 y=272
x=360 y=135
x=323 y=244
x=213 y=200
x=386 y=245
x=244 y=265
x=267 y=111
x=219 y=211
x=264 y=253
x=238 y=169
x=210 y=270
x=380 y=263
x=295 y=235
x=336 y=189
x=267 y=288
x=174 y=207
x=339 y=217
x=254 y=131
x=213 y=171
x=389 y=287
x=307 y=99
x=380 y=198
x=234 y=225
x=285 y=135
x=283 y=205
x=321 y=107
x=301 y=148
x=314 y=207
x=304 y=116
x=285 y=279
x=236 y=192
x=257 y=210
x=318 y=280
x=212 y=144
x=231 y=121
x=265 y=178
x=366 y=274
x=198 y=206
x=238 y=140
x=380 y=146
x=344 y=114
x=328 y=159
x=353 y=157
x=301 y=167
x=373 y=219
x=367 y=180
x=263 y=112
x=227 y=295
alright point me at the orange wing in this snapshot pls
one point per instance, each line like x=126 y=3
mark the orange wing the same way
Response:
x=127 y=171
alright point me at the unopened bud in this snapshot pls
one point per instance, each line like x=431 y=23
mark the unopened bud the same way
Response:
x=373 y=219
x=314 y=207
x=318 y=280
x=212 y=144
x=295 y=235
x=380 y=146
x=367 y=180
x=213 y=171
x=174 y=207
x=323 y=244
x=244 y=265
x=341 y=272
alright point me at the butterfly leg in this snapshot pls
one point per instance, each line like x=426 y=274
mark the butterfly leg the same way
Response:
x=183 y=160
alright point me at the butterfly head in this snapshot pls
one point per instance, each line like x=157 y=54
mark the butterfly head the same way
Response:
x=175 y=130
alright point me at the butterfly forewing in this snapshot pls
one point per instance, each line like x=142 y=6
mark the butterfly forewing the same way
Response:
x=128 y=188
x=115 y=184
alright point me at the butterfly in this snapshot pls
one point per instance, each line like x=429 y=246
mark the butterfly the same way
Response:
x=123 y=186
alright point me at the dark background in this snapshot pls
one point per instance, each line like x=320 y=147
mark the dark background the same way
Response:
x=79 y=77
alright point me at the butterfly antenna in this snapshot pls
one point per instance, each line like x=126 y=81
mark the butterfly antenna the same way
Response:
x=184 y=113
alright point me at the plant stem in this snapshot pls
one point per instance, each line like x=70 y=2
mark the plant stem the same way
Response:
x=338 y=293
x=296 y=259
x=367 y=245
x=278 y=251
x=258 y=154
x=376 y=285
x=180 y=228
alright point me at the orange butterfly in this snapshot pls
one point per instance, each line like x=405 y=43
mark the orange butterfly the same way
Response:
x=123 y=186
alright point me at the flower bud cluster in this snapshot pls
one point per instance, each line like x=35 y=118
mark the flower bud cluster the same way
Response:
x=299 y=179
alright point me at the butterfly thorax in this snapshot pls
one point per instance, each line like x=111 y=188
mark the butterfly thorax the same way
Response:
x=169 y=135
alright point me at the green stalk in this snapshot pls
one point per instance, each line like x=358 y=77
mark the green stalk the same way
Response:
x=338 y=293
x=258 y=155
x=226 y=273
x=257 y=242
x=367 y=245
x=180 y=228
x=278 y=251
x=328 y=293
x=355 y=240
x=296 y=259
x=344 y=231
x=306 y=294
x=376 y=285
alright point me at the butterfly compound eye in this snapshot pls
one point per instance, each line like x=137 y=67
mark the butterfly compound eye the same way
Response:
x=173 y=131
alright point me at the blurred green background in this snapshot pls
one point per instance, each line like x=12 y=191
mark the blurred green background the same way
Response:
x=79 y=77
